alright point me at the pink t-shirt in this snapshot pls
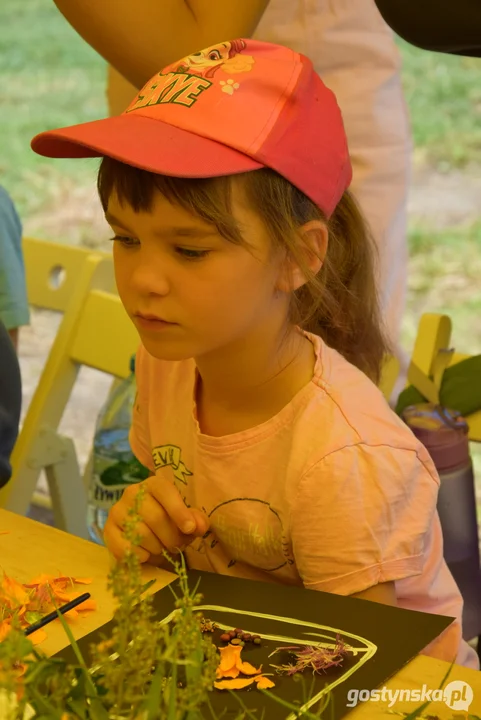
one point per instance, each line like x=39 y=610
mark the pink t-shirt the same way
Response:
x=334 y=492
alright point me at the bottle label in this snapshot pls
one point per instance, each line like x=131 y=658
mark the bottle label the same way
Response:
x=110 y=479
x=102 y=496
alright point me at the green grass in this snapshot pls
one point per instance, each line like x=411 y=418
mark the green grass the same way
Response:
x=48 y=77
x=445 y=276
x=443 y=93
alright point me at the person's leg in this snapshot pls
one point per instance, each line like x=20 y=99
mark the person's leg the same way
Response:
x=354 y=52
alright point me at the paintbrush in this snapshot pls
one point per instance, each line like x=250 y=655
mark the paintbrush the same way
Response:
x=54 y=615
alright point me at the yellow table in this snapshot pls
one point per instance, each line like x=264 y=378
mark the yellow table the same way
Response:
x=28 y=548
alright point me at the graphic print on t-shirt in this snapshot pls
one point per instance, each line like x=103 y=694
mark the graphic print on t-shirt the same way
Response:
x=169 y=455
x=252 y=531
x=248 y=529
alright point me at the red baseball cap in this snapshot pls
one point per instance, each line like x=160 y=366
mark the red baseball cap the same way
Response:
x=231 y=108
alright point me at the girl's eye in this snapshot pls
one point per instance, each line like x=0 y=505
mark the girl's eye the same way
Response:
x=124 y=240
x=214 y=55
x=191 y=254
x=185 y=253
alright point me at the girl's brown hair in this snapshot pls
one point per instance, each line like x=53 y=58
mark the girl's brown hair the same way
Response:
x=340 y=303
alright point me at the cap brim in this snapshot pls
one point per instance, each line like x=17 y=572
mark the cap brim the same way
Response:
x=147 y=144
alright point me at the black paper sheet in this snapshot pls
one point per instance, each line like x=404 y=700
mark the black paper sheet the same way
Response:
x=383 y=639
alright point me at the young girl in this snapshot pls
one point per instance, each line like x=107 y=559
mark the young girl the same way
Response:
x=248 y=271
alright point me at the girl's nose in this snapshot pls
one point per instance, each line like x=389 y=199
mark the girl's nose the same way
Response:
x=148 y=277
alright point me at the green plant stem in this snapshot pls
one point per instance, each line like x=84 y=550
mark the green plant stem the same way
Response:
x=416 y=713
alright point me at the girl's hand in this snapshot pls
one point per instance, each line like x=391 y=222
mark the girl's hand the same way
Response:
x=166 y=522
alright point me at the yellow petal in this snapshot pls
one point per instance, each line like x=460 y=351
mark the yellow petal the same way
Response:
x=14 y=590
x=238 y=684
x=4 y=629
x=263 y=682
x=38 y=636
x=229 y=656
x=248 y=669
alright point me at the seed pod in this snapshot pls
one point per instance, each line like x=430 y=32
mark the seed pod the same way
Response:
x=233 y=634
x=225 y=637
x=256 y=640
x=237 y=631
x=237 y=641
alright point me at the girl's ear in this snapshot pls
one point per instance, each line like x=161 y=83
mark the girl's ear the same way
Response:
x=313 y=238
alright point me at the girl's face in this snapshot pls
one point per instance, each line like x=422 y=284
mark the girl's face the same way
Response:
x=171 y=266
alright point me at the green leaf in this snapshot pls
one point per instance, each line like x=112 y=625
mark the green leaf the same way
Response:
x=448 y=673
x=72 y=640
x=170 y=586
x=79 y=708
x=97 y=711
x=152 y=702
x=33 y=617
x=197 y=715
x=172 y=709
x=294 y=708
x=40 y=704
x=416 y=713
x=147 y=585
x=38 y=655
x=193 y=670
x=16 y=643
x=78 y=690
x=39 y=672
x=196 y=589
x=248 y=714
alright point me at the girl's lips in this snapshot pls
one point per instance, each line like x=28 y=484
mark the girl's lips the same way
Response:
x=152 y=323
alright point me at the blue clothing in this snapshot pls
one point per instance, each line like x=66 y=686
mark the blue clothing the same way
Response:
x=10 y=402
x=14 y=309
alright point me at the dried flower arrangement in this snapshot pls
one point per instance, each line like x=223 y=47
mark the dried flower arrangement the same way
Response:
x=145 y=670
x=313 y=657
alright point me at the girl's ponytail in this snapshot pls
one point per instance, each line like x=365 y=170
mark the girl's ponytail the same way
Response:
x=341 y=302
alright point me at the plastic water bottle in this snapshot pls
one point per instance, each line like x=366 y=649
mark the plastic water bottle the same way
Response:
x=444 y=433
x=114 y=465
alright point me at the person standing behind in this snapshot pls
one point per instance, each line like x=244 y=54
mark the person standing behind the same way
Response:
x=14 y=309
x=352 y=49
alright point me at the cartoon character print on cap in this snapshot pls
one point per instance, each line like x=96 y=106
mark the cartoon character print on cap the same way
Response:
x=185 y=80
x=225 y=55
